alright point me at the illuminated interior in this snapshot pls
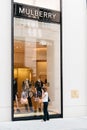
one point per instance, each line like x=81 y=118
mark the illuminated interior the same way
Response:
x=37 y=54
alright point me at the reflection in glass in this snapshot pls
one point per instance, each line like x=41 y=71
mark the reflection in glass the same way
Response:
x=36 y=56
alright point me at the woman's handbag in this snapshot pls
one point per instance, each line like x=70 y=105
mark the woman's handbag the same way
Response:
x=40 y=100
x=48 y=99
x=24 y=101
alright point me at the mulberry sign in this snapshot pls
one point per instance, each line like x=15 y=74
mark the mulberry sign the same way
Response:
x=36 y=13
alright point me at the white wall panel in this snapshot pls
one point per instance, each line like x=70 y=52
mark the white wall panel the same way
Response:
x=5 y=60
x=50 y=4
x=74 y=57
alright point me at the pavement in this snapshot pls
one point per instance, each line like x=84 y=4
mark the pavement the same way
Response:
x=52 y=124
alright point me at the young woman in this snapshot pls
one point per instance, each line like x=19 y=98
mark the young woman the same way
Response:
x=45 y=104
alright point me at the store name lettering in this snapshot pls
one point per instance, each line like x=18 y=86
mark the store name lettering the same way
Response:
x=36 y=13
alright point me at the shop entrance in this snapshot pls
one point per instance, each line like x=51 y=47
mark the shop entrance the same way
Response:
x=36 y=58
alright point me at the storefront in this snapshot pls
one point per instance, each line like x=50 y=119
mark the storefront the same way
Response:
x=37 y=49
x=37 y=40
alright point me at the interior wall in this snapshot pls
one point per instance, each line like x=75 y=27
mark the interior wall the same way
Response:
x=42 y=70
x=19 y=53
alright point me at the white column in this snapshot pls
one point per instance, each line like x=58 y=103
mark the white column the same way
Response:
x=5 y=60
x=53 y=68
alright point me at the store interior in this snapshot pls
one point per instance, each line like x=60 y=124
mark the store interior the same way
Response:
x=34 y=57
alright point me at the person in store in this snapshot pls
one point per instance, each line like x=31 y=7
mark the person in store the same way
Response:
x=15 y=94
x=24 y=99
x=45 y=103
x=39 y=86
x=28 y=87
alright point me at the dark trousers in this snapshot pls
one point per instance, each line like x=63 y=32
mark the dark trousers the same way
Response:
x=30 y=103
x=45 y=111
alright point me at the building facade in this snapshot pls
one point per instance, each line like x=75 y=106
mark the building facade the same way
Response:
x=71 y=91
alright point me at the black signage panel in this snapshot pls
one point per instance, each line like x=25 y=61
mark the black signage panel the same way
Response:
x=36 y=13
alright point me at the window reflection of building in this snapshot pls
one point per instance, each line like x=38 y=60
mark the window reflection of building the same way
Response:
x=37 y=48
x=33 y=56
